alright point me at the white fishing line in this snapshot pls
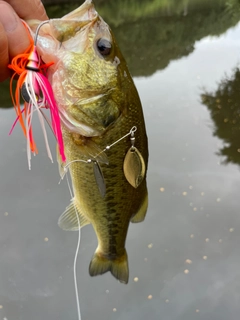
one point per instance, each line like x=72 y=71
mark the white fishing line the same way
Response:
x=76 y=253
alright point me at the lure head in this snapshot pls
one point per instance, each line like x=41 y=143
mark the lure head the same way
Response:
x=32 y=65
x=89 y=76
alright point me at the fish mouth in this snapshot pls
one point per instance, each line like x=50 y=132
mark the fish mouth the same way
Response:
x=65 y=28
x=85 y=12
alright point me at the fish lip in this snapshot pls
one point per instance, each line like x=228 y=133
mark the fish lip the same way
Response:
x=86 y=7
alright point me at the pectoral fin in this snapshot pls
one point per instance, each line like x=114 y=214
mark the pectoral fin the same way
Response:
x=140 y=215
x=72 y=218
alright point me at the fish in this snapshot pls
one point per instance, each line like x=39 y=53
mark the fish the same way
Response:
x=99 y=105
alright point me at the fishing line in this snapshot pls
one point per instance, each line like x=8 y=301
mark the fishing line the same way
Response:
x=78 y=245
x=76 y=254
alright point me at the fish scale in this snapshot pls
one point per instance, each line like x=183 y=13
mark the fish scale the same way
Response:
x=98 y=104
x=109 y=216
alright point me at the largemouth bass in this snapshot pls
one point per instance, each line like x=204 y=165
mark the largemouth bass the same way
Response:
x=98 y=105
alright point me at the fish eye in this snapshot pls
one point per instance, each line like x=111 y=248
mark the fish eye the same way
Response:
x=104 y=47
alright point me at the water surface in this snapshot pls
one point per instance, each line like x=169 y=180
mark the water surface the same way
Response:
x=185 y=255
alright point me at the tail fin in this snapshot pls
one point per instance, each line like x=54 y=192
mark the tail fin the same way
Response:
x=118 y=267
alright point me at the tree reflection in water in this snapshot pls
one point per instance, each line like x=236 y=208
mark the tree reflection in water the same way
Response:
x=151 y=34
x=224 y=107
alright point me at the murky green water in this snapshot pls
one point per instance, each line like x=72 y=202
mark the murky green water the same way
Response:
x=185 y=57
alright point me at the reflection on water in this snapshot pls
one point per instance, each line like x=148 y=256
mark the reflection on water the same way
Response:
x=184 y=258
x=153 y=33
x=153 y=40
x=224 y=107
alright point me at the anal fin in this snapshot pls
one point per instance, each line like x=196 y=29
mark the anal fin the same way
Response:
x=141 y=213
x=72 y=217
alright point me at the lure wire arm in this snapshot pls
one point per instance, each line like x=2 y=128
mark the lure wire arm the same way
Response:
x=94 y=159
x=131 y=132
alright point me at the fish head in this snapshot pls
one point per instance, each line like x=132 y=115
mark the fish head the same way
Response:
x=89 y=74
